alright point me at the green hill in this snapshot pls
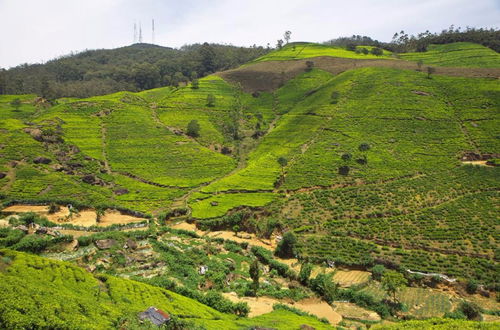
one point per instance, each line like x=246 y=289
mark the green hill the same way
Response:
x=42 y=293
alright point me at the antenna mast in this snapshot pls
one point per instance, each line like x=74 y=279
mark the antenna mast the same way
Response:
x=140 y=33
x=153 y=36
x=135 y=32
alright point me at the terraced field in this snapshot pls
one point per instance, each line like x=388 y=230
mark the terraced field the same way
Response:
x=459 y=54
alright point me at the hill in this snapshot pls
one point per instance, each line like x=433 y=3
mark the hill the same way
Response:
x=132 y=68
x=363 y=161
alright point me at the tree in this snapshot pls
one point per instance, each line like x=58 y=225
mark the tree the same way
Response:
x=279 y=44
x=430 y=70
x=378 y=271
x=377 y=51
x=286 y=247
x=254 y=275
x=236 y=229
x=283 y=162
x=471 y=287
x=305 y=273
x=208 y=58
x=193 y=128
x=210 y=100
x=287 y=36
x=364 y=51
x=470 y=310
x=195 y=84
x=392 y=282
x=16 y=104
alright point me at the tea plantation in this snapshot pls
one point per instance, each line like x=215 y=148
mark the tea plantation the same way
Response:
x=378 y=164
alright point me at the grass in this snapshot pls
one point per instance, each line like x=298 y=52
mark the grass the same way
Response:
x=458 y=54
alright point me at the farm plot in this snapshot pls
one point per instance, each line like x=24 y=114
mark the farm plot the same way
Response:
x=421 y=303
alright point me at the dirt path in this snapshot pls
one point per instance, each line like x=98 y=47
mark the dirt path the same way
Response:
x=104 y=144
x=264 y=305
x=267 y=76
x=476 y=162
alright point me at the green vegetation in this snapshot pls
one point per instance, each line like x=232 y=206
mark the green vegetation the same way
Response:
x=459 y=54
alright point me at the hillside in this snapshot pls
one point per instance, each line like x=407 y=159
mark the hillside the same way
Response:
x=42 y=293
x=364 y=160
x=132 y=68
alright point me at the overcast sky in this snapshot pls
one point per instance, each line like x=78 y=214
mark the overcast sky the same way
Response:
x=39 y=30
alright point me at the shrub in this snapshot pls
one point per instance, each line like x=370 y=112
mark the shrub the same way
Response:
x=193 y=128
x=210 y=100
x=346 y=156
x=195 y=84
x=470 y=310
x=471 y=287
x=286 y=247
x=344 y=170
x=377 y=272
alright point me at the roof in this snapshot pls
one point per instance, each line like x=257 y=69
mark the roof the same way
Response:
x=155 y=315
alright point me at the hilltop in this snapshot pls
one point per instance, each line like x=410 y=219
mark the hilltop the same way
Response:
x=360 y=160
x=132 y=68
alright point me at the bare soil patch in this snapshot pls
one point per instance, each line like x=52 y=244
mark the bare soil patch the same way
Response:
x=353 y=312
x=112 y=217
x=269 y=76
x=348 y=278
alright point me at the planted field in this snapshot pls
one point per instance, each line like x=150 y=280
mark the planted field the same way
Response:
x=219 y=204
x=458 y=54
x=421 y=303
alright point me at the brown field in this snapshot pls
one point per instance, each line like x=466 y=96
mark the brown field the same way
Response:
x=85 y=218
x=263 y=305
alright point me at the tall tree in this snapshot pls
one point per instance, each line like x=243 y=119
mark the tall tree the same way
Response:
x=287 y=36
x=254 y=275
x=392 y=282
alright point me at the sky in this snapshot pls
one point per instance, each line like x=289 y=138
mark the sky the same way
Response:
x=34 y=31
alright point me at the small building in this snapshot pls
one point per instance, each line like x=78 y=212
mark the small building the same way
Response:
x=155 y=315
x=203 y=270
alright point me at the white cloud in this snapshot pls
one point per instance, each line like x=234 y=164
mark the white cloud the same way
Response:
x=38 y=30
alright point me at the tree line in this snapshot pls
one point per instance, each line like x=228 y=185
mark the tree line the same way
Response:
x=402 y=42
x=132 y=68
